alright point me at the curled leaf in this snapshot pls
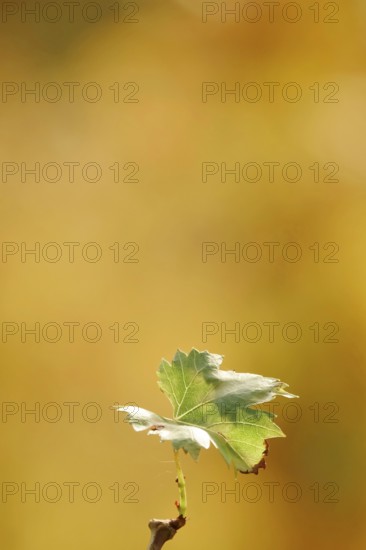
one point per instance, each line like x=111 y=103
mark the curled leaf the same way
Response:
x=213 y=406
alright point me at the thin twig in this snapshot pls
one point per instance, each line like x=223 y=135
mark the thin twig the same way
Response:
x=182 y=505
x=163 y=530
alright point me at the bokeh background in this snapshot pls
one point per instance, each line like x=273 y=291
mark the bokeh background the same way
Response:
x=169 y=293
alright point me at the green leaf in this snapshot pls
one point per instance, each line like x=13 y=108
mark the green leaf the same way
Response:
x=213 y=406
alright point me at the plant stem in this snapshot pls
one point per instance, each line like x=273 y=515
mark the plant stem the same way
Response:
x=182 y=506
x=163 y=530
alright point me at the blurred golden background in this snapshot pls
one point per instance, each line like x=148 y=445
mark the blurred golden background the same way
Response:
x=157 y=293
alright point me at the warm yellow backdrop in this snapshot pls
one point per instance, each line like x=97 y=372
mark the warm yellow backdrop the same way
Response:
x=170 y=292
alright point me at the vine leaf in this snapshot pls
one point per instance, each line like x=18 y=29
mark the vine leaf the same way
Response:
x=211 y=406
